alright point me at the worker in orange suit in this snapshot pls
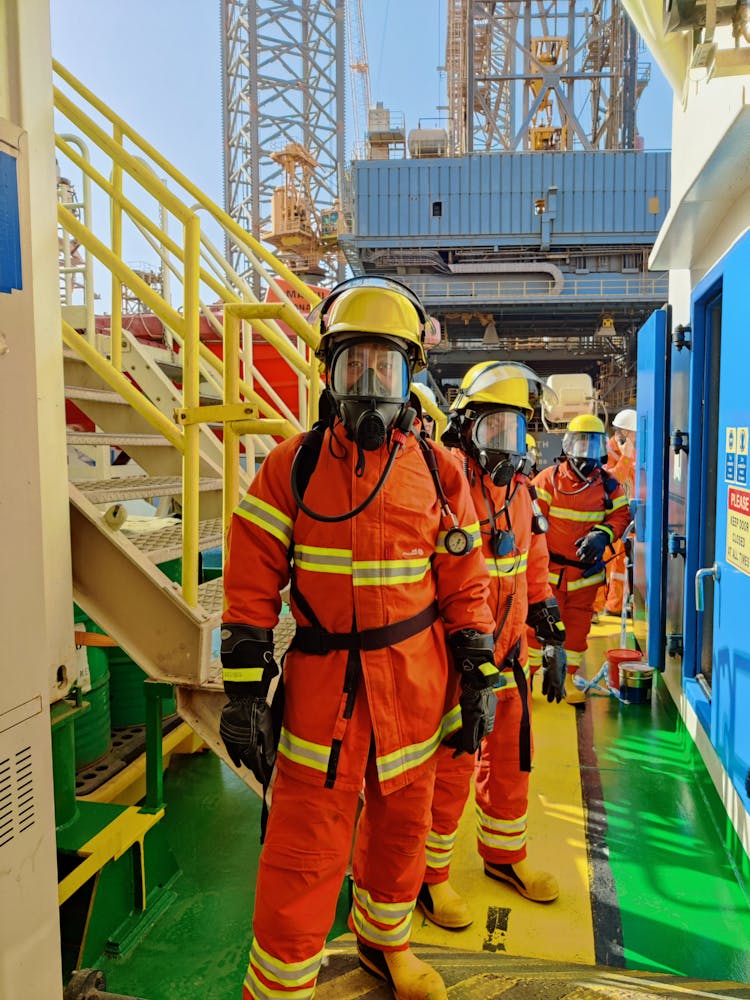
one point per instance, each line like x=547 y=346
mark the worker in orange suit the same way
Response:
x=587 y=511
x=488 y=429
x=375 y=527
x=620 y=465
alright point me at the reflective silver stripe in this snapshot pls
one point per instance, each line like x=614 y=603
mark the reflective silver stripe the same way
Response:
x=387 y=572
x=269 y=518
x=405 y=758
x=366 y=911
x=503 y=835
x=589 y=516
x=574 y=657
x=439 y=848
x=313 y=755
x=320 y=560
x=509 y=677
x=286 y=974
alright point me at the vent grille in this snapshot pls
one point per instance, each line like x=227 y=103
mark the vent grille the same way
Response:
x=17 y=804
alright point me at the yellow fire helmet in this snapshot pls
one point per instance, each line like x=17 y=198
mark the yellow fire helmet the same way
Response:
x=585 y=423
x=500 y=383
x=372 y=306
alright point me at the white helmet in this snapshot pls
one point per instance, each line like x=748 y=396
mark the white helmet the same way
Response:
x=626 y=420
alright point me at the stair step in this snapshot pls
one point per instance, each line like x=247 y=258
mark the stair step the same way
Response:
x=122 y=439
x=211 y=595
x=139 y=487
x=165 y=543
x=98 y=395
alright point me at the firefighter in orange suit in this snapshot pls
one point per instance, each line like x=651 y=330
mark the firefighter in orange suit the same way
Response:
x=621 y=466
x=375 y=527
x=587 y=510
x=488 y=427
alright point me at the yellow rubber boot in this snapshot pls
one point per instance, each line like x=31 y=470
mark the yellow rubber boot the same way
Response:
x=538 y=886
x=408 y=976
x=442 y=905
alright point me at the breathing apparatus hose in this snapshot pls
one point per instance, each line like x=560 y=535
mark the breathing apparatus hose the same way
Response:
x=398 y=436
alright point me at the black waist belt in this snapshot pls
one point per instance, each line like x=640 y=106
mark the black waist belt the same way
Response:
x=311 y=639
x=555 y=557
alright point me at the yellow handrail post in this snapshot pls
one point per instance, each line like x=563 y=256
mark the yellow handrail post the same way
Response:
x=115 y=323
x=191 y=399
x=231 y=396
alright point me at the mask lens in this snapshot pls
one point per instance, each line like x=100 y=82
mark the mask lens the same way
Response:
x=370 y=369
x=501 y=431
x=585 y=445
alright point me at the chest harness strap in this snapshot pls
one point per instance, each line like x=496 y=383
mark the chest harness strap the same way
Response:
x=316 y=640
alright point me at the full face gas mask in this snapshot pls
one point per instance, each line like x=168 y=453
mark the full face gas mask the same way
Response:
x=497 y=438
x=585 y=451
x=369 y=380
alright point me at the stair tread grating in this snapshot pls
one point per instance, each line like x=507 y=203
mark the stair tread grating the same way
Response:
x=96 y=395
x=102 y=437
x=105 y=491
x=167 y=541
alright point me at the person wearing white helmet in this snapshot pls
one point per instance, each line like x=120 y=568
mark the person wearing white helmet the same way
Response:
x=620 y=465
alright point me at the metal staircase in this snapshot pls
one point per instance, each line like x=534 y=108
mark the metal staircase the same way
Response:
x=182 y=414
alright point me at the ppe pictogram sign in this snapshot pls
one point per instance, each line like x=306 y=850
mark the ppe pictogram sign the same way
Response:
x=735 y=465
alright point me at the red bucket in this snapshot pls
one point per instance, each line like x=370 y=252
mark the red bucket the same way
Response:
x=617 y=656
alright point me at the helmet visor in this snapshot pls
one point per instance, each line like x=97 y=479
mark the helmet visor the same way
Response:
x=501 y=431
x=579 y=444
x=370 y=369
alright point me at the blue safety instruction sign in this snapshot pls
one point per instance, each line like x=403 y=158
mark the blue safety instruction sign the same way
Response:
x=735 y=463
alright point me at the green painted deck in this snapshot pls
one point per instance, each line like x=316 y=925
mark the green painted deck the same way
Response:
x=651 y=877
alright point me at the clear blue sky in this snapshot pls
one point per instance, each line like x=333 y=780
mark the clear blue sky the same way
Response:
x=158 y=64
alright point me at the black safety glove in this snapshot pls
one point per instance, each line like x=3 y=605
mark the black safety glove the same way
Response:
x=554 y=671
x=590 y=548
x=246 y=725
x=544 y=618
x=474 y=658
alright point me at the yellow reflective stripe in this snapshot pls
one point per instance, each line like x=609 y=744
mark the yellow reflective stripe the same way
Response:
x=535 y=657
x=472 y=530
x=543 y=495
x=385 y=572
x=574 y=656
x=379 y=923
x=503 y=835
x=269 y=518
x=606 y=528
x=587 y=581
x=508 y=565
x=365 y=572
x=286 y=975
x=439 y=848
x=313 y=755
x=242 y=673
x=619 y=502
x=376 y=909
x=405 y=758
x=590 y=516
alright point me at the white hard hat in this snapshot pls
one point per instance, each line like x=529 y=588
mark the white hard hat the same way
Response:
x=626 y=420
x=426 y=390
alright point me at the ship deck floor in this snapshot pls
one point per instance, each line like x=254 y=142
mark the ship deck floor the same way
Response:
x=621 y=809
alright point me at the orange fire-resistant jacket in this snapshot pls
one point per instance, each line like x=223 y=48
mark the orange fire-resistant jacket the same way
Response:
x=621 y=466
x=520 y=578
x=573 y=509
x=383 y=566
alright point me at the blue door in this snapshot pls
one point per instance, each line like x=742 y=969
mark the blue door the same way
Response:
x=650 y=486
x=717 y=571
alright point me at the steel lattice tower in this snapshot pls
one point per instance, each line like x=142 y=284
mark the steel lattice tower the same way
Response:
x=283 y=81
x=542 y=74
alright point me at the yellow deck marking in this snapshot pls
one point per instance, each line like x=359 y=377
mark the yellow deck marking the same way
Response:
x=563 y=930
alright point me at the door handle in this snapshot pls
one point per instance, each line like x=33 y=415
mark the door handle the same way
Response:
x=714 y=572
